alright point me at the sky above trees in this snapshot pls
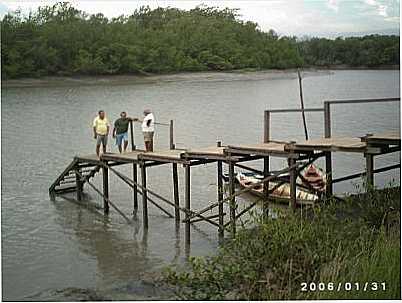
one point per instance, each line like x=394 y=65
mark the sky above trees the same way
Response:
x=323 y=18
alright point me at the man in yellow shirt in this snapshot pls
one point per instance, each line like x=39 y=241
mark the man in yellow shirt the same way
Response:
x=101 y=131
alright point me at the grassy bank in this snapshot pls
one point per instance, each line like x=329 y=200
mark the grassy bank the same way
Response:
x=356 y=241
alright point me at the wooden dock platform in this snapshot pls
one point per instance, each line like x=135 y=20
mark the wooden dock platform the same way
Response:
x=333 y=144
x=298 y=154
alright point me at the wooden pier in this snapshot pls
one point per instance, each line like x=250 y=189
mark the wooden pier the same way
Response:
x=298 y=155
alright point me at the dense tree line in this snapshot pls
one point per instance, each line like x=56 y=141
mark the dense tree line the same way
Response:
x=62 y=40
x=373 y=50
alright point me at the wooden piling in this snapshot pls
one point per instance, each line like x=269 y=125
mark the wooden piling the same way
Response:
x=328 y=155
x=176 y=193
x=144 y=195
x=187 y=198
x=79 y=183
x=220 y=193
x=267 y=134
x=135 y=189
x=105 y=173
x=369 y=169
x=266 y=187
x=292 y=175
x=232 y=202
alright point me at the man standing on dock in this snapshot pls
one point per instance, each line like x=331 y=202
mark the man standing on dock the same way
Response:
x=148 y=128
x=120 y=131
x=101 y=131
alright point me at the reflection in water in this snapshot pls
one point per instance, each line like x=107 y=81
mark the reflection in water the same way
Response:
x=117 y=258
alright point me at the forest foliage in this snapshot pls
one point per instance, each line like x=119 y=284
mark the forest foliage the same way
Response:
x=62 y=40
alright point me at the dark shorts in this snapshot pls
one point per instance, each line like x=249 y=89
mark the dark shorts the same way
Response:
x=148 y=136
x=101 y=139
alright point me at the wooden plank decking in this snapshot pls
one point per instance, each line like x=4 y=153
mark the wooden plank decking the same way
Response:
x=169 y=156
x=207 y=153
x=262 y=149
x=390 y=137
x=127 y=157
x=340 y=144
x=93 y=158
x=287 y=150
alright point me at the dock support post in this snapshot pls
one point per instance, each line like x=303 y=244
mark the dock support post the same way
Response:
x=232 y=202
x=220 y=193
x=267 y=133
x=370 y=170
x=79 y=183
x=176 y=193
x=187 y=198
x=292 y=175
x=105 y=174
x=266 y=187
x=135 y=189
x=328 y=155
x=328 y=171
x=144 y=195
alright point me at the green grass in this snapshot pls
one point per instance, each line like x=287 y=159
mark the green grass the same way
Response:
x=354 y=241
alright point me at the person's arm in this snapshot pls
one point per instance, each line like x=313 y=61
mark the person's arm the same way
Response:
x=114 y=132
x=107 y=128
x=94 y=128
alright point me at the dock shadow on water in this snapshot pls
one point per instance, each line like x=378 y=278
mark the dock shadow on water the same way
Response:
x=127 y=269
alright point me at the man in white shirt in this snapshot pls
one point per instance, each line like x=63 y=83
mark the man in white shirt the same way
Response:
x=148 y=128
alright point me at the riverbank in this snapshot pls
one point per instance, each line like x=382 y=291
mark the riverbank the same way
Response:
x=233 y=75
x=347 y=250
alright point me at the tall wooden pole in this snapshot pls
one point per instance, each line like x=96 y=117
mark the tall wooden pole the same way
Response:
x=302 y=104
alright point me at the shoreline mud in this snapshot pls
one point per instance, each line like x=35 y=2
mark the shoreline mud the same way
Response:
x=233 y=75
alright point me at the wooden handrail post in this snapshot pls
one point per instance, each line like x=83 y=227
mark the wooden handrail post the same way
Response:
x=171 y=135
x=133 y=147
x=267 y=125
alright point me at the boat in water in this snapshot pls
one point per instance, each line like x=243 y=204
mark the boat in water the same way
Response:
x=315 y=178
x=308 y=188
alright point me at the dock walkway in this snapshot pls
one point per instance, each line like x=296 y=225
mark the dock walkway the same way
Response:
x=298 y=155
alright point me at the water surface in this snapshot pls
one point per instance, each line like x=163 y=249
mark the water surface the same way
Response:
x=62 y=251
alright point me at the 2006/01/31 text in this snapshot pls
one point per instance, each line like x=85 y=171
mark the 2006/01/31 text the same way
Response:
x=343 y=286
